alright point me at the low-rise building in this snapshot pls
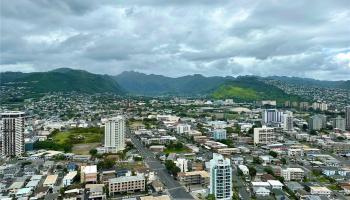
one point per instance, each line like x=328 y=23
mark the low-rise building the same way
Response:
x=126 y=184
x=69 y=178
x=95 y=191
x=275 y=184
x=318 y=190
x=88 y=174
x=50 y=181
x=219 y=134
x=293 y=174
x=265 y=135
x=194 y=178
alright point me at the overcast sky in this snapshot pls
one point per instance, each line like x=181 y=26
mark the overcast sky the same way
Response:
x=309 y=38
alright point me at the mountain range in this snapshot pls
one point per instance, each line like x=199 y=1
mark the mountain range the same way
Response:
x=242 y=88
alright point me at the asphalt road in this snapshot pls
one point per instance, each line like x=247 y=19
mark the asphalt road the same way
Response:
x=175 y=190
x=238 y=182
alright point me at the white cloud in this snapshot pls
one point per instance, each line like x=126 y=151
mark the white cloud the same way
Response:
x=293 y=38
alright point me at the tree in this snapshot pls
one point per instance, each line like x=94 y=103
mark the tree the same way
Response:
x=256 y=160
x=252 y=171
x=273 y=154
x=269 y=170
x=93 y=152
x=210 y=197
x=304 y=127
x=171 y=167
x=106 y=163
x=313 y=132
x=284 y=161
x=229 y=130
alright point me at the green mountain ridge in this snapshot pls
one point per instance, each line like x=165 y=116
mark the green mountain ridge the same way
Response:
x=242 y=88
x=62 y=80
x=153 y=85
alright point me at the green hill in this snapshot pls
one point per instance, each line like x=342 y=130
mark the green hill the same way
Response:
x=62 y=80
x=250 y=89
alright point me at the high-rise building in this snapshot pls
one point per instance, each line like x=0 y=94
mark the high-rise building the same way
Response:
x=304 y=105
x=318 y=105
x=288 y=121
x=115 y=134
x=265 y=135
x=12 y=133
x=220 y=177
x=317 y=122
x=271 y=116
x=347 y=118
x=338 y=123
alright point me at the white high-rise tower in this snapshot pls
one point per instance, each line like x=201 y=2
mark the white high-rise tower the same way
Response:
x=221 y=177
x=347 y=118
x=12 y=133
x=115 y=134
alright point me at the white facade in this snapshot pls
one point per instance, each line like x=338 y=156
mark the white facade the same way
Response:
x=288 y=121
x=182 y=163
x=291 y=174
x=265 y=135
x=271 y=116
x=320 y=106
x=338 y=123
x=317 y=190
x=12 y=133
x=183 y=128
x=69 y=178
x=221 y=177
x=115 y=134
x=317 y=122
x=244 y=169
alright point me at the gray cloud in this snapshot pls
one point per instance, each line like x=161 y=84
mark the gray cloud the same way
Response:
x=294 y=38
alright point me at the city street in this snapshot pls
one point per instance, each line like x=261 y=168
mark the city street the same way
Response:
x=239 y=183
x=175 y=190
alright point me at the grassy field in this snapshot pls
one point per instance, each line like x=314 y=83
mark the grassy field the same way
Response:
x=78 y=140
x=80 y=137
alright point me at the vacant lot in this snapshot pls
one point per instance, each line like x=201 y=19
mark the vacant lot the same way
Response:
x=80 y=140
x=84 y=149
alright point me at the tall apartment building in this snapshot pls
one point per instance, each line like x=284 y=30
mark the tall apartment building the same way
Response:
x=293 y=174
x=271 y=116
x=126 y=184
x=288 y=121
x=115 y=134
x=220 y=177
x=338 y=123
x=317 y=122
x=265 y=135
x=319 y=106
x=347 y=118
x=304 y=105
x=12 y=133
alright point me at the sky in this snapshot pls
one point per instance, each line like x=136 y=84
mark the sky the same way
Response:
x=303 y=38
